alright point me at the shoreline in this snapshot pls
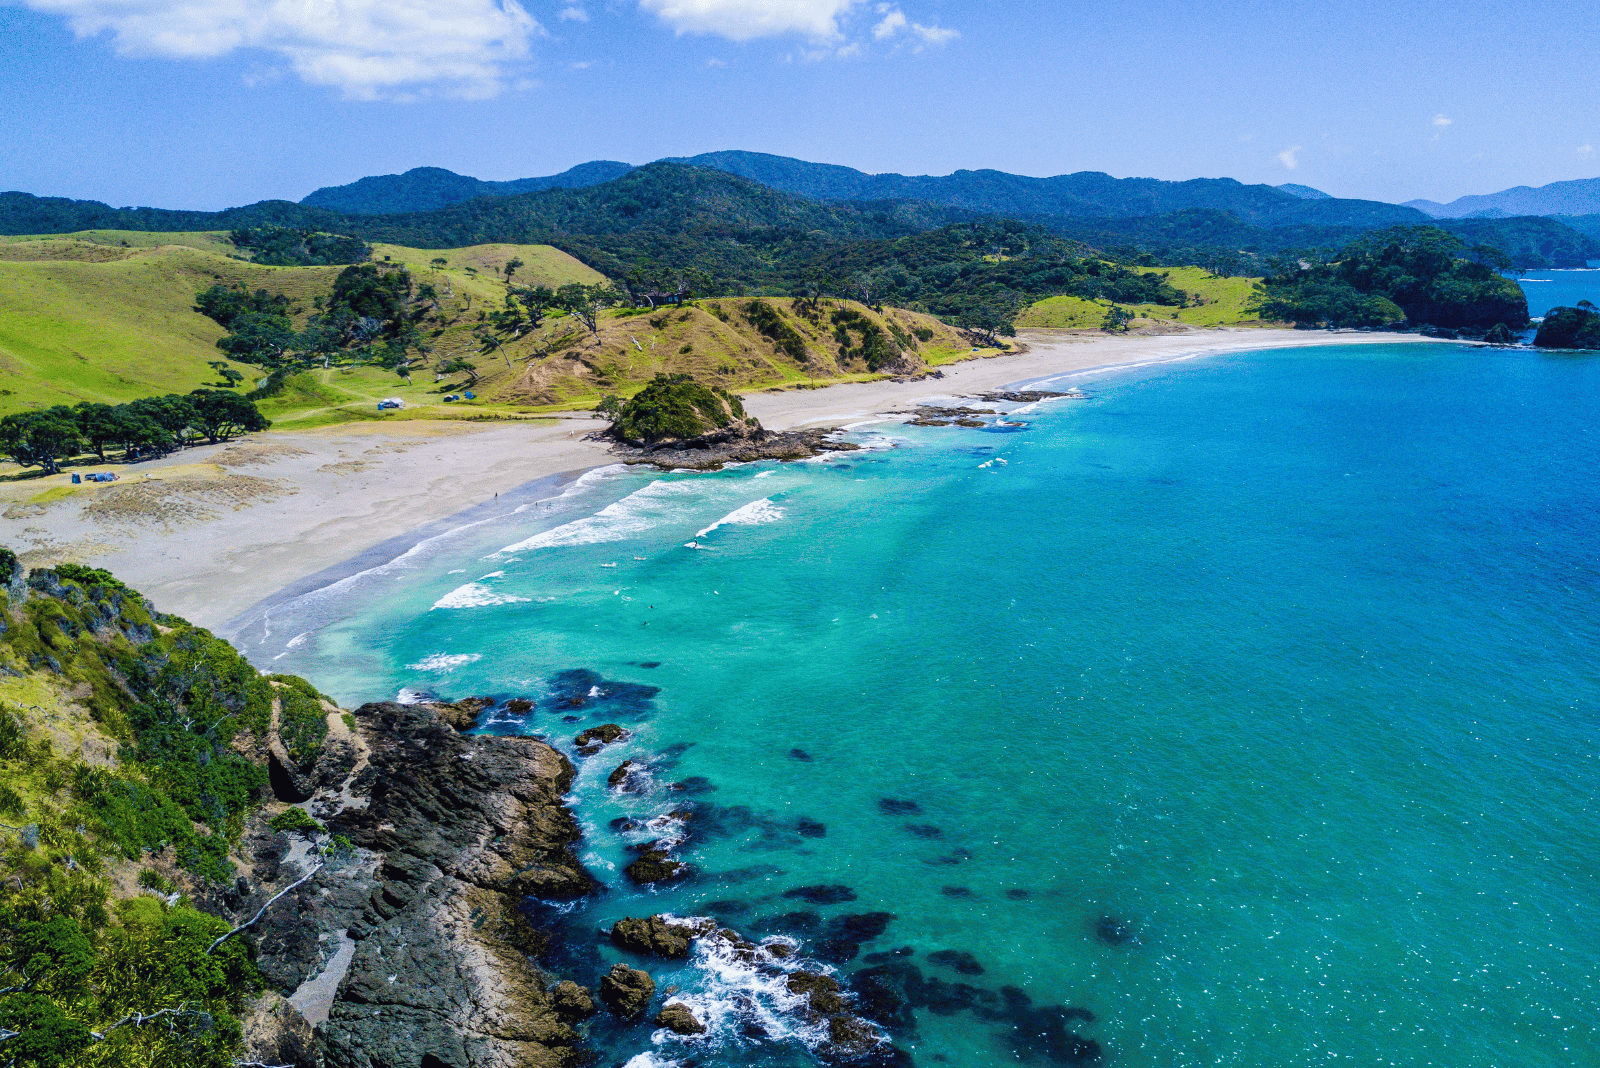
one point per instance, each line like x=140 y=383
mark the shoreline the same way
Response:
x=220 y=534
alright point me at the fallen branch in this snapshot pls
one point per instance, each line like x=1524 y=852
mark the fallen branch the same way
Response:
x=251 y=921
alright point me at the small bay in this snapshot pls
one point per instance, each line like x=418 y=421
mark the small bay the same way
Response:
x=1244 y=713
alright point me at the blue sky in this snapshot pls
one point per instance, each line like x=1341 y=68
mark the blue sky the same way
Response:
x=211 y=103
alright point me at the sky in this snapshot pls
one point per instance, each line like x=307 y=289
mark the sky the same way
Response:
x=207 y=104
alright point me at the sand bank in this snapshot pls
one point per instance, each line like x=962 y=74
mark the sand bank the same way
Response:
x=211 y=531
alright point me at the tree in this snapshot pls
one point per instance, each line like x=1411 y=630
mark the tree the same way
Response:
x=255 y=337
x=40 y=439
x=511 y=268
x=456 y=364
x=229 y=376
x=1116 y=320
x=585 y=302
x=172 y=415
x=100 y=425
x=439 y=261
x=222 y=415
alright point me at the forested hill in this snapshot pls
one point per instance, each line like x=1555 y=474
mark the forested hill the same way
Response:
x=431 y=188
x=1085 y=193
x=724 y=225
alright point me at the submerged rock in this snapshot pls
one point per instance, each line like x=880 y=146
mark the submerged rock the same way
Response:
x=1110 y=931
x=676 y=1017
x=621 y=778
x=627 y=991
x=956 y=959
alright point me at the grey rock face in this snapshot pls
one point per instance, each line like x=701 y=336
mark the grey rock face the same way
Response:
x=627 y=991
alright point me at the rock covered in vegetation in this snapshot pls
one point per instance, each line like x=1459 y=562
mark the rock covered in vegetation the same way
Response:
x=1570 y=328
x=656 y=865
x=678 y=411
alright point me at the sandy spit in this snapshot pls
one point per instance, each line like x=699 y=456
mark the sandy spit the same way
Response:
x=211 y=531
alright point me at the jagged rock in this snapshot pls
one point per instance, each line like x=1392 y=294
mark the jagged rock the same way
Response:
x=655 y=866
x=451 y=832
x=519 y=706
x=619 y=778
x=677 y=1018
x=654 y=936
x=627 y=991
x=848 y=1036
x=590 y=741
x=276 y=1033
x=571 y=1001
x=822 y=992
x=463 y=714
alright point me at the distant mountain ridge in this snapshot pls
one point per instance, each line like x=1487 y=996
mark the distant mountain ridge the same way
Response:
x=430 y=188
x=1580 y=196
x=1085 y=194
x=1090 y=194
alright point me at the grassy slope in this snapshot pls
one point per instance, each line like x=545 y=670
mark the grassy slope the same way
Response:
x=85 y=318
x=108 y=316
x=1225 y=299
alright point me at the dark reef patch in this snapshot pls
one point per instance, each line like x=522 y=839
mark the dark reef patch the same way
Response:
x=649 y=663
x=800 y=754
x=898 y=806
x=1110 y=931
x=1017 y=893
x=956 y=959
x=589 y=690
x=924 y=830
x=956 y=891
x=694 y=786
x=810 y=828
x=822 y=893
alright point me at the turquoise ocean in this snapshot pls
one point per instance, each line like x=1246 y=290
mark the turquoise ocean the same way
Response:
x=1559 y=289
x=1244 y=713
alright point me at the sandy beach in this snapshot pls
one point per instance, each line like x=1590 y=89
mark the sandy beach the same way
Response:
x=210 y=531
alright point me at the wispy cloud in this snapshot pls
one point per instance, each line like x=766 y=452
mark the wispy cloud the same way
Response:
x=746 y=20
x=367 y=49
x=1442 y=120
x=896 y=25
x=1585 y=151
x=1290 y=157
x=573 y=13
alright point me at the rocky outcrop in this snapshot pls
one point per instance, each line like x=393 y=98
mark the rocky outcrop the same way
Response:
x=656 y=936
x=677 y=1017
x=655 y=865
x=590 y=741
x=411 y=945
x=708 y=455
x=627 y=991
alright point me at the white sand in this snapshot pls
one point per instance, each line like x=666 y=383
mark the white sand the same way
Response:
x=210 y=531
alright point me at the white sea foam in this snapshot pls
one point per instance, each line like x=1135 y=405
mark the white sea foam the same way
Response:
x=474 y=595
x=765 y=474
x=651 y=1060
x=659 y=502
x=445 y=661
x=408 y=696
x=748 y=515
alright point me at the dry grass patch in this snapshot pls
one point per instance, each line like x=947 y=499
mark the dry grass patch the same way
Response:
x=246 y=453
x=187 y=499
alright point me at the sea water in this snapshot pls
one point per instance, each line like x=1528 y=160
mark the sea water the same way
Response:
x=1559 y=289
x=1247 y=709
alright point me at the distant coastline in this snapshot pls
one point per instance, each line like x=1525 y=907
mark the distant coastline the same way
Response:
x=215 y=531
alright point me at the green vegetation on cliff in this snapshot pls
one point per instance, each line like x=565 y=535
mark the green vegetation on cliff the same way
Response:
x=1570 y=328
x=674 y=407
x=1422 y=273
x=128 y=739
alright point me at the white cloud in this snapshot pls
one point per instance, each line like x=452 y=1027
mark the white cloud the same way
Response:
x=745 y=20
x=368 y=49
x=573 y=13
x=1289 y=157
x=1585 y=151
x=1441 y=120
x=895 y=24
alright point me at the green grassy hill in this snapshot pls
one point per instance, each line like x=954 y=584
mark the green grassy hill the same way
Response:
x=108 y=315
x=1214 y=302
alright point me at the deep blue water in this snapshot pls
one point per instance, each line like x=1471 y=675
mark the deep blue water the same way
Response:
x=1559 y=289
x=1249 y=705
